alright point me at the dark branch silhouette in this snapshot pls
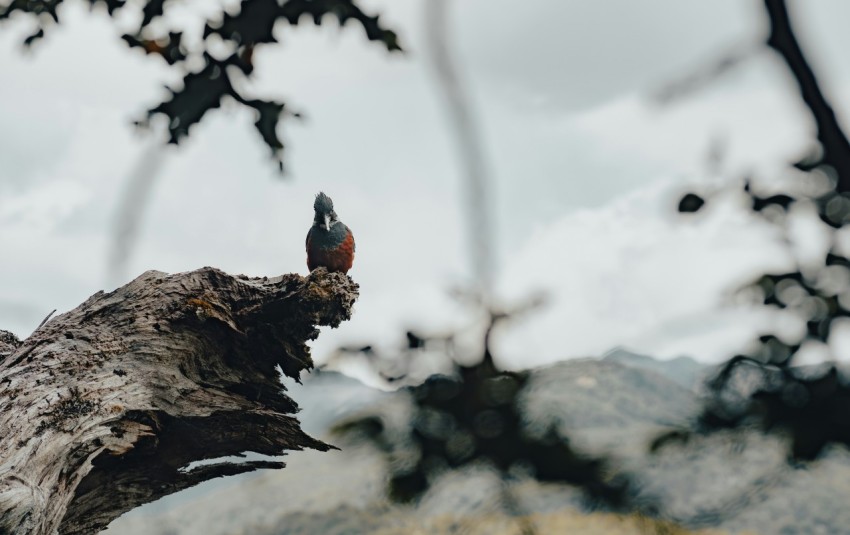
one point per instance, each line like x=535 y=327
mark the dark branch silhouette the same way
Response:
x=836 y=148
x=808 y=404
x=205 y=89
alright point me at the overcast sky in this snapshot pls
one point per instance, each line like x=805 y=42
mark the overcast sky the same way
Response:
x=586 y=171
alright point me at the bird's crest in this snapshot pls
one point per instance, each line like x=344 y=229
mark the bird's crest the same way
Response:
x=323 y=204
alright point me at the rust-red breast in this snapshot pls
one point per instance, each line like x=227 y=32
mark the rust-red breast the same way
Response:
x=330 y=243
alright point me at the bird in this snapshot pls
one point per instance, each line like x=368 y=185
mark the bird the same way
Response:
x=330 y=243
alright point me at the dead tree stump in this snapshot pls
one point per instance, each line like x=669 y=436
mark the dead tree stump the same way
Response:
x=104 y=407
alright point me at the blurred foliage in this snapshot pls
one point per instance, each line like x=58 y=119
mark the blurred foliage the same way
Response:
x=810 y=404
x=242 y=32
x=691 y=203
x=472 y=417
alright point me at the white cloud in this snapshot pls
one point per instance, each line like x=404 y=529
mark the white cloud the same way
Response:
x=574 y=55
x=38 y=211
x=634 y=274
x=759 y=125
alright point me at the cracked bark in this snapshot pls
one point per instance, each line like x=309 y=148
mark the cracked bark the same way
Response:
x=103 y=408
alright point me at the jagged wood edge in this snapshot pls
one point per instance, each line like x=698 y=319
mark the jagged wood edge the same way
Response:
x=103 y=407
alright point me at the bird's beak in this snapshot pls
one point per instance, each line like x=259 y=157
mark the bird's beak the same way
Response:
x=327 y=222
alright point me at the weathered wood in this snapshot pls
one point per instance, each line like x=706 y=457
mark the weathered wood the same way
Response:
x=103 y=408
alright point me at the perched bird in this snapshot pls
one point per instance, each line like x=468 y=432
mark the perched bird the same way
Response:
x=330 y=244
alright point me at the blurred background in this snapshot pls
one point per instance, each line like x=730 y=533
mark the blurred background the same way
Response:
x=585 y=169
x=585 y=156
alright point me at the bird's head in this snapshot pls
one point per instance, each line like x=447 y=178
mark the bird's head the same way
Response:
x=325 y=216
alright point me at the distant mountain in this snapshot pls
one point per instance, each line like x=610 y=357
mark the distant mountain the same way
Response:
x=732 y=481
x=604 y=394
x=683 y=370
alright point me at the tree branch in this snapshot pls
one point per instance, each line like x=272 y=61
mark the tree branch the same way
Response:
x=104 y=408
x=836 y=148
